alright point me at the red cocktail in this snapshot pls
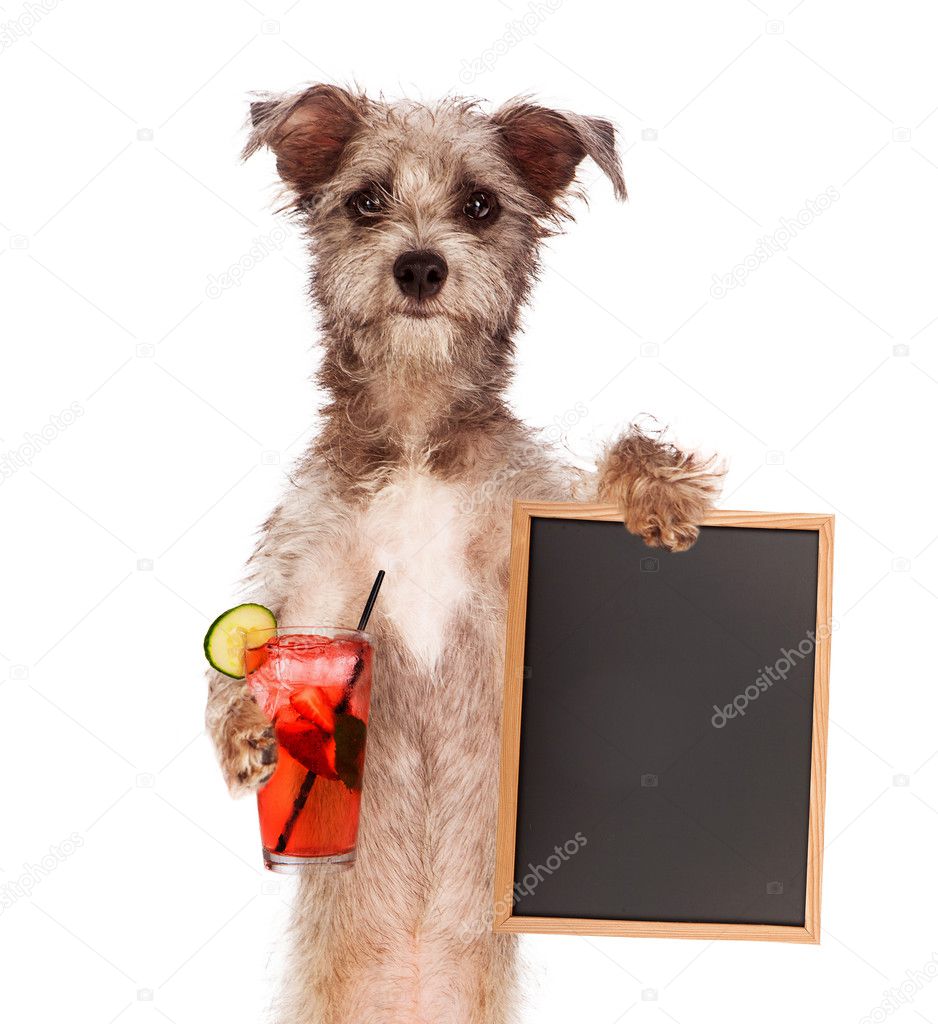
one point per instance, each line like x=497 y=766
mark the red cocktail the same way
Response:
x=315 y=686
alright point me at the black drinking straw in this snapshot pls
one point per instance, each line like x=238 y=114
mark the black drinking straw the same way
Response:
x=372 y=597
x=303 y=795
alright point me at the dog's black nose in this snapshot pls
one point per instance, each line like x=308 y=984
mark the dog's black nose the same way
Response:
x=420 y=274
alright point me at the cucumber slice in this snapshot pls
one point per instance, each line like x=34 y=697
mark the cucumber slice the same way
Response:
x=227 y=637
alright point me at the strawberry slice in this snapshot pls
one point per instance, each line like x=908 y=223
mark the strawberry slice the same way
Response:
x=312 y=704
x=306 y=742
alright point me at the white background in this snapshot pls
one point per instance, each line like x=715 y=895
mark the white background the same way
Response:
x=122 y=200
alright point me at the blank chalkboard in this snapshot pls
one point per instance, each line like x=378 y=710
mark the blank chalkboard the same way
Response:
x=664 y=733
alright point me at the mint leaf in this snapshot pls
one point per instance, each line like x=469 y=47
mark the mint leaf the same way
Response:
x=349 y=735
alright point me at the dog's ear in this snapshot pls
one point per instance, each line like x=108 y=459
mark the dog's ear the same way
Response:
x=548 y=145
x=307 y=133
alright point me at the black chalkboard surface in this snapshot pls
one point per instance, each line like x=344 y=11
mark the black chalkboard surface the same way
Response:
x=665 y=725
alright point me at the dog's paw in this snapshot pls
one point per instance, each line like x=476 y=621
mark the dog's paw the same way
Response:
x=663 y=492
x=658 y=532
x=248 y=751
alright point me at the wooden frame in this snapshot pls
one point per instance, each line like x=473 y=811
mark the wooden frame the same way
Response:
x=503 y=920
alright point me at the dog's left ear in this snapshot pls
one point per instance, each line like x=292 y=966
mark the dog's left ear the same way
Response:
x=308 y=133
x=548 y=145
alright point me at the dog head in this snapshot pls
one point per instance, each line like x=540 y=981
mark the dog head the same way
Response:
x=425 y=221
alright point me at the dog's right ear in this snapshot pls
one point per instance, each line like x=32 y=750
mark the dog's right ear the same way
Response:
x=548 y=145
x=307 y=133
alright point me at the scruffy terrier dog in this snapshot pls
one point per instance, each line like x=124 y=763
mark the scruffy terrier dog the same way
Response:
x=424 y=225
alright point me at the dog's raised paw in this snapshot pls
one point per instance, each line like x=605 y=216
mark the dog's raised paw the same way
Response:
x=249 y=754
x=672 y=536
x=663 y=492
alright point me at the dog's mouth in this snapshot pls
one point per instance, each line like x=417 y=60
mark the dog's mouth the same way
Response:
x=420 y=310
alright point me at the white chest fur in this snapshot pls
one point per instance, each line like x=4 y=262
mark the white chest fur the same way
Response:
x=418 y=533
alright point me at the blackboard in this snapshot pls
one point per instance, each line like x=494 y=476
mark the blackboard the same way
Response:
x=664 y=733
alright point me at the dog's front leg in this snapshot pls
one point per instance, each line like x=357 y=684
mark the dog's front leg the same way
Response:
x=242 y=734
x=662 y=491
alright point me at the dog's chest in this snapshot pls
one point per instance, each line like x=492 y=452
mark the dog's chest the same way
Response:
x=416 y=531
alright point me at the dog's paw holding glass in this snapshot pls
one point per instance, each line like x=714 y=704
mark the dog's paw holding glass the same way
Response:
x=424 y=225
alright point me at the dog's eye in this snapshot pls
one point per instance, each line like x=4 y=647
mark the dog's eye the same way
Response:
x=479 y=205
x=368 y=204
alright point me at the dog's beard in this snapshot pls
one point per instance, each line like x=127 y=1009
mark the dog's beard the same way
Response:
x=403 y=340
